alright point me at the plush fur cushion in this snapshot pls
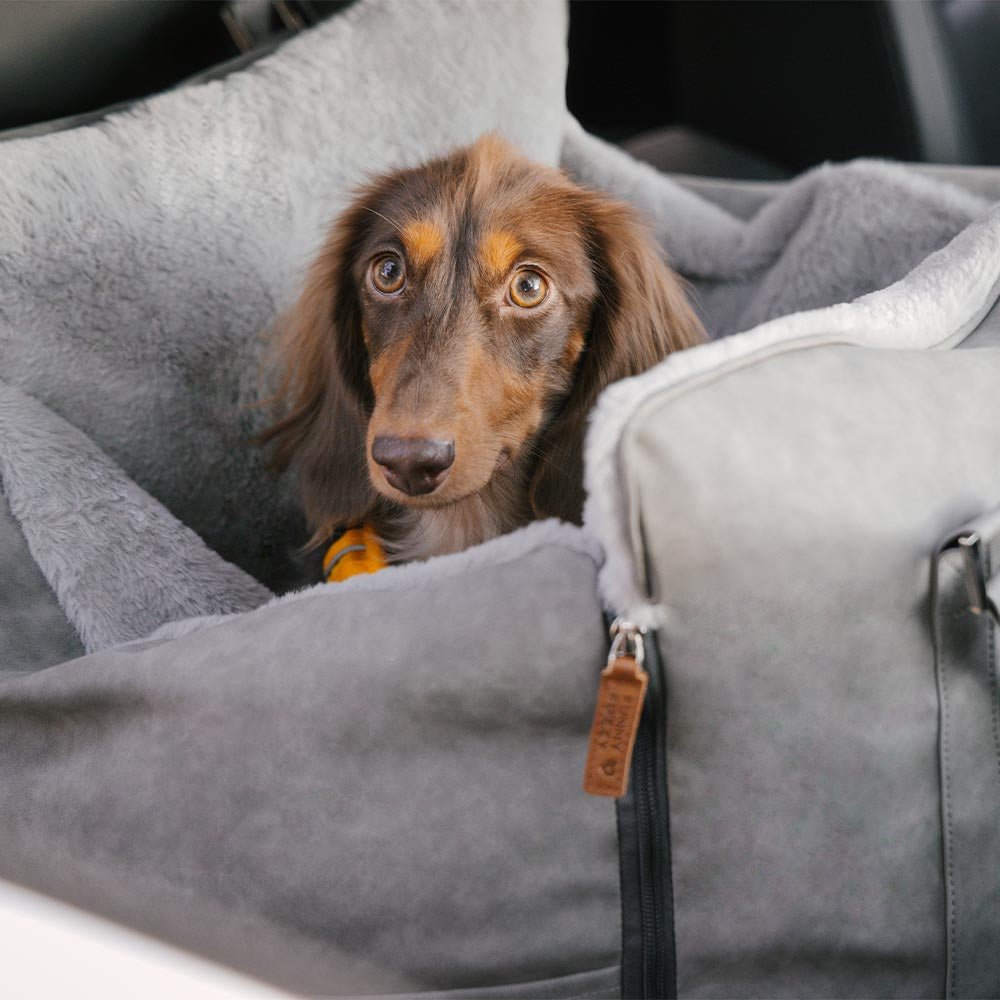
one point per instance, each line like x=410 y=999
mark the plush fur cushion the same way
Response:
x=74 y=529
x=142 y=257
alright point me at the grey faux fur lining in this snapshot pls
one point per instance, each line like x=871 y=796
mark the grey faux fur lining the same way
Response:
x=119 y=562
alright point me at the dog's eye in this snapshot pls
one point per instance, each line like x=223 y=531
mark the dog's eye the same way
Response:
x=528 y=289
x=388 y=274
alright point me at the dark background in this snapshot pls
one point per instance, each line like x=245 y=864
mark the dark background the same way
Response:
x=740 y=88
x=794 y=82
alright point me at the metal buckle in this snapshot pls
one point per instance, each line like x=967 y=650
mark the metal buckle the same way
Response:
x=971 y=547
x=625 y=634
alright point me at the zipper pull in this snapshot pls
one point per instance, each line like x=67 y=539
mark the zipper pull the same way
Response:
x=616 y=719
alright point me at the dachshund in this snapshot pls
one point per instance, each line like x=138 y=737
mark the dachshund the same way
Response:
x=450 y=340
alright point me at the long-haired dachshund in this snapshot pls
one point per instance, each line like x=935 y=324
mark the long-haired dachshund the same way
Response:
x=450 y=340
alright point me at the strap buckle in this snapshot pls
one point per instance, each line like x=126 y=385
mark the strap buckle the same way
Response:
x=971 y=547
x=627 y=640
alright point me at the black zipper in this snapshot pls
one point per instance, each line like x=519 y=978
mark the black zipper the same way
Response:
x=649 y=967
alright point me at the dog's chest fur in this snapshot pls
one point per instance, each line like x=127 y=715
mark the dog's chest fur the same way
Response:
x=420 y=534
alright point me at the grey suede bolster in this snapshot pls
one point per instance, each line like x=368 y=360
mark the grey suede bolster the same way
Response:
x=392 y=775
x=812 y=718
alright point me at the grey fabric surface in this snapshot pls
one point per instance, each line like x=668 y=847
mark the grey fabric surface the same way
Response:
x=834 y=233
x=142 y=257
x=34 y=632
x=118 y=562
x=744 y=199
x=794 y=545
x=389 y=775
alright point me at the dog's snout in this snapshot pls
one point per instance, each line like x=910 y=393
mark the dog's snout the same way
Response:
x=413 y=465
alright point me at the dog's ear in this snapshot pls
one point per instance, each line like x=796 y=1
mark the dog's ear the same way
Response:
x=324 y=394
x=640 y=315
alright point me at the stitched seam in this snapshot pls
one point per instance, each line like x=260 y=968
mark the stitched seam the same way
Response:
x=994 y=694
x=949 y=863
x=991 y=667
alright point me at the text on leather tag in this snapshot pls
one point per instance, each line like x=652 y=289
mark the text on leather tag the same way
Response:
x=616 y=723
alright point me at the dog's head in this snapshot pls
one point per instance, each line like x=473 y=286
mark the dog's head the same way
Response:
x=456 y=329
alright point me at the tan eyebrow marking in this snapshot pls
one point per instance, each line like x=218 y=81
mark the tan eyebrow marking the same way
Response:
x=498 y=251
x=423 y=241
x=387 y=362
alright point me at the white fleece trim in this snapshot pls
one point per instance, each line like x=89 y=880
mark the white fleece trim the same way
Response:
x=935 y=305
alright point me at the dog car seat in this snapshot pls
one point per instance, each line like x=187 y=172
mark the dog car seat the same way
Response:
x=375 y=786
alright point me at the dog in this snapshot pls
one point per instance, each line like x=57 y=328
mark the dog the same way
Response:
x=451 y=337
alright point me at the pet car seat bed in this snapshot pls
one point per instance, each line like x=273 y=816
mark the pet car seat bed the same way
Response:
x=375 y=786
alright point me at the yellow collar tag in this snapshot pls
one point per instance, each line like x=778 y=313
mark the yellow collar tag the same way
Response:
x=356 y=551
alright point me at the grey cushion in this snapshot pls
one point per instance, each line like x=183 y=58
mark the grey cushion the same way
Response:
x=760 y=251
x=370 y=786
x=803 y=763
x=118 y=563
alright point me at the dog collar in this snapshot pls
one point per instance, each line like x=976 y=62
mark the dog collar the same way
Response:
x=355 y=551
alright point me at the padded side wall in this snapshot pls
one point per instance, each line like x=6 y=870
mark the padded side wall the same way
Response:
x=354 y=789
x=789 y=528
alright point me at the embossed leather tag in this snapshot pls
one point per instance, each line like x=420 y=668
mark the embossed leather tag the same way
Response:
x=616 y=723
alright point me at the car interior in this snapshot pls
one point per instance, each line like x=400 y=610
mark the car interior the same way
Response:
x=799 y=84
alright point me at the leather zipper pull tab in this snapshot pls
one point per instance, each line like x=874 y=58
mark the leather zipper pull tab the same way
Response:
x=620 y=698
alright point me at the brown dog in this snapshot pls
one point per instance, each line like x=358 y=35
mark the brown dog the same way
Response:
x=451 y=338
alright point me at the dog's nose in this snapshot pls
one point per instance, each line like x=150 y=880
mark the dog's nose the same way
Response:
x=413 y=465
